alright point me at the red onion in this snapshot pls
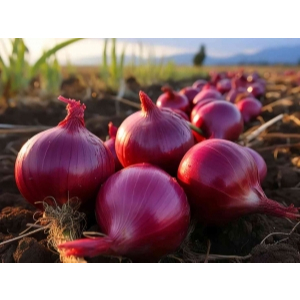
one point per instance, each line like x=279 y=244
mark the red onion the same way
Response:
x=222 y=184
x=110 y=144
x=256 y=89
x=260 y=163
x=173 y=100
x=220 y=120
x=234 y=95
x=206 y=94
x=143 y=213
x=190 y=93
x=252 y=77
x=199 y=84
x=216 y=77
x=224 y=85
x=63 y=162
x=200 y=104
x=250 y=108
x=240 y=80
x=154 y=136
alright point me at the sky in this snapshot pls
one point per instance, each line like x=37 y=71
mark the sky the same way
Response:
x=157 y=46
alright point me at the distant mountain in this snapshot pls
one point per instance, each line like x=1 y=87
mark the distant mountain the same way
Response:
x=280 y=55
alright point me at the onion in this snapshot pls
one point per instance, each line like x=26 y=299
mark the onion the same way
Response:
x=260 y=163
x=190 y=93
x=219 y=119
x=173 y=100
x=143 y=213
x=206 y=94
x=63 y=162
x=154 y=136
x=199 y=84
x=256 y=89
x=240 y=80
x=250 y=108
x=252 y=77
x=200 y=104
x=234 y=95
x=221 y=181
x=110 y=144
x=224 y=85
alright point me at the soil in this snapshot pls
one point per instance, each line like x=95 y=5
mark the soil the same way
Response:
x=238 y=241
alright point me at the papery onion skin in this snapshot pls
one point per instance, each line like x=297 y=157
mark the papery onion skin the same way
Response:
x=250 y=108
x=260 y=163
x=110 y=144
x=173 y=100
x=221 y=181
x=142 y=211
x=219 y=119
x=207 y=94
x=153 y=136
x=64 y=162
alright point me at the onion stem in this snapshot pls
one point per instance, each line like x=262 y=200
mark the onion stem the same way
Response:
x=195 y=128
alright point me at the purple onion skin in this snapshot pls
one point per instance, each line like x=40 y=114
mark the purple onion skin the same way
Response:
x=250 y=108
x=154 y=136
x=110 y=144
x=190 y=93
x=220 y=120
x=142 y=211
x=64 y=162
x=207 y=94
x=260 y=163
x=221 y=181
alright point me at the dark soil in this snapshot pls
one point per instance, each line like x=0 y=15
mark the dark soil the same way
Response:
x=239 y=238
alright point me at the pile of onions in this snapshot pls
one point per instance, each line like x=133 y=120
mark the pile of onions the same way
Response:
x=207 y=93
x=155 y=136
x=219 y=119
x=63 y=162
x=221 y=181
x=173 y=100
x=110 y=144
x=143 y=213
x=250 y=108
x=260 y=163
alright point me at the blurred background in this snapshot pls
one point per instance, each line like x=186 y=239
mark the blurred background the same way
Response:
x=35 y=70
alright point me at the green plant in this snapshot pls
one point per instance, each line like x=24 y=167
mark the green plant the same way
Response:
x=51 y=75
x=17 y=73
x=112 y=73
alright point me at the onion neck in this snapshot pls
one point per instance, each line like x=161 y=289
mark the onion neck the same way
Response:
x=87 y=247
x=148 y=107
x=75 y=111
x=112 y=130
x=276 y=209
x=168 y=91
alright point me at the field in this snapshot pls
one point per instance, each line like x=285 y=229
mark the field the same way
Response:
x=243 y=240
